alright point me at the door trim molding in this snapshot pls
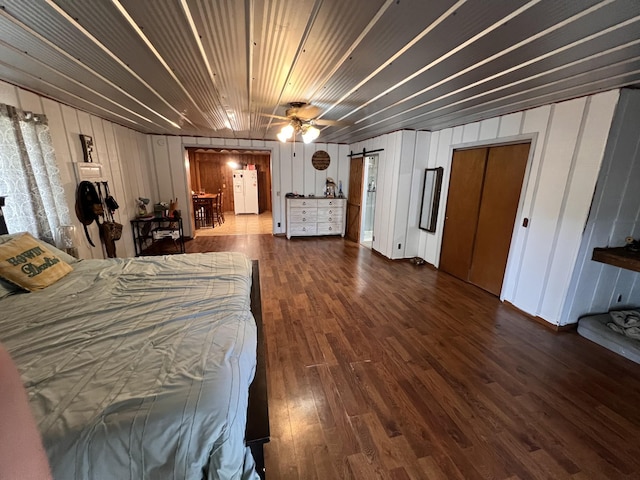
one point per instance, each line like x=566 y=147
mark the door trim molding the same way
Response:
x=497 y=142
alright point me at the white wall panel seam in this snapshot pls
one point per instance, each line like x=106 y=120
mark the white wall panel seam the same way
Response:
x=563 y=207
x=536 y=184
x=513 y=258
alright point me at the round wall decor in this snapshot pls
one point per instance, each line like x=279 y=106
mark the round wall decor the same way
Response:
x=320 y=160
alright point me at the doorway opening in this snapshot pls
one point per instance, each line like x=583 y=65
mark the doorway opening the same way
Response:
x=369 y=200
x=361 y=203
x=211 y=174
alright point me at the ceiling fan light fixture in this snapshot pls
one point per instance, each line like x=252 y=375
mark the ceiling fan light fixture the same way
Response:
x=286 y=133
x=282 y=137
x=288 y=130
x=310 y=134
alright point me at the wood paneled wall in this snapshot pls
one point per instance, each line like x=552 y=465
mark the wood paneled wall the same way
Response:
x=209 y=172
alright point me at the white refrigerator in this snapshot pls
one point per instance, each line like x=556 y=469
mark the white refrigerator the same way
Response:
x=245 y=191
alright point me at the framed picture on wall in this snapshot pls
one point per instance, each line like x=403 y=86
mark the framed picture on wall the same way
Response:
x=87 y=147
x=430 y=198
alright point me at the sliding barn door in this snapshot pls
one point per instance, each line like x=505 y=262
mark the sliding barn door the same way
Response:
x=354 y=202
x=485 y=191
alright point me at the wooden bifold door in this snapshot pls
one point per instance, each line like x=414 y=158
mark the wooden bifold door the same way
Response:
x=482 y=203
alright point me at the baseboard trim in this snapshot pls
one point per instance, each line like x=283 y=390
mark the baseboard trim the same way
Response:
x=542 y=321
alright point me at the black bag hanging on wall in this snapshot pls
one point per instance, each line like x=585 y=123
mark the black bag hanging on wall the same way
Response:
x=88 y=206
x=109 y=201
x=110 y=230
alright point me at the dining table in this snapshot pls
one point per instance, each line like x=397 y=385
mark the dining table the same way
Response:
x=203 y=209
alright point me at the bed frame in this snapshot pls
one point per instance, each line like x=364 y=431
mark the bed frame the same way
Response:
x=3 y=225
x=257 y=432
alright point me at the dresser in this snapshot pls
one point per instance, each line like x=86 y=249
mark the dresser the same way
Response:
x=316 y=216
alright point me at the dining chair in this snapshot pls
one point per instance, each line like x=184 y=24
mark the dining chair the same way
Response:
x=220 y=207
x=203 y=211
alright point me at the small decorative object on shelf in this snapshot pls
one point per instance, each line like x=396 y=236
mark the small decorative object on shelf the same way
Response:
x=157 y=235
x=330 y=188
x=632 y=245
x=173 y=208
x=161 y=210
x=142 y=203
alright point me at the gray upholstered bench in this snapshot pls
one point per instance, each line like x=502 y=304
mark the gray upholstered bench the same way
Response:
x=594 y=327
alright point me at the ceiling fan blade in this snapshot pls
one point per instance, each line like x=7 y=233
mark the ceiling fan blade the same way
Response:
x=279 y=117
x=335 y=123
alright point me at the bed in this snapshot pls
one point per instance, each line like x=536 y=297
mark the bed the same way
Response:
x=596 y=328
x=143 y=368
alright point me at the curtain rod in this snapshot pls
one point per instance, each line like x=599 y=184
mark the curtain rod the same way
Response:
x=364 y=152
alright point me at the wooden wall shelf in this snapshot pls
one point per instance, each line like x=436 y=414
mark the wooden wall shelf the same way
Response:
x=619 y=257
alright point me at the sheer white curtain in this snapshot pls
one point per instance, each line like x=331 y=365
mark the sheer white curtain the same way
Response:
x=29 y=175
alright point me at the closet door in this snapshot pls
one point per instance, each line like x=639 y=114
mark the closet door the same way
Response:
x=461 y=218
x=498 y=207
x=482 y=203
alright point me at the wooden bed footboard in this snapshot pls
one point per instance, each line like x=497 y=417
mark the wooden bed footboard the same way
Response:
x=257 y=432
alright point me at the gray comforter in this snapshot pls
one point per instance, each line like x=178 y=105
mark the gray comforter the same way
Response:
x=140 y=368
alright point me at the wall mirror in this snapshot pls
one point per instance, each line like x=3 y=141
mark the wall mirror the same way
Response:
x=430 y=199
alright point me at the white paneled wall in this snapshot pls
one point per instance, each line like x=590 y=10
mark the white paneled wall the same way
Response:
x=291 y=170
x=568 y=141
x=615 y=214
x=121 y=151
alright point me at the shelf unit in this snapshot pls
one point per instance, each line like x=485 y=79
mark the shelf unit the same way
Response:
x=157 y=236
x=619 y=257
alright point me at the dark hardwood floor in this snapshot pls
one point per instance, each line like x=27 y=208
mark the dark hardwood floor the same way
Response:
x=381 y=369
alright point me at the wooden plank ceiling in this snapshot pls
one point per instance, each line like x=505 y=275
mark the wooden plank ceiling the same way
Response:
x=220 y=68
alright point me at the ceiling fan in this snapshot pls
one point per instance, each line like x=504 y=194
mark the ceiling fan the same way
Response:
x=301 y=117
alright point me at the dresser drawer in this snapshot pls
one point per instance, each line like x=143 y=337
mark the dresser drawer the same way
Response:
x=301 y=229
x=299 y=215
x=302 y=202
x=329 y=228
x=326 y=218
x=331 y=202
x=326 y=213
